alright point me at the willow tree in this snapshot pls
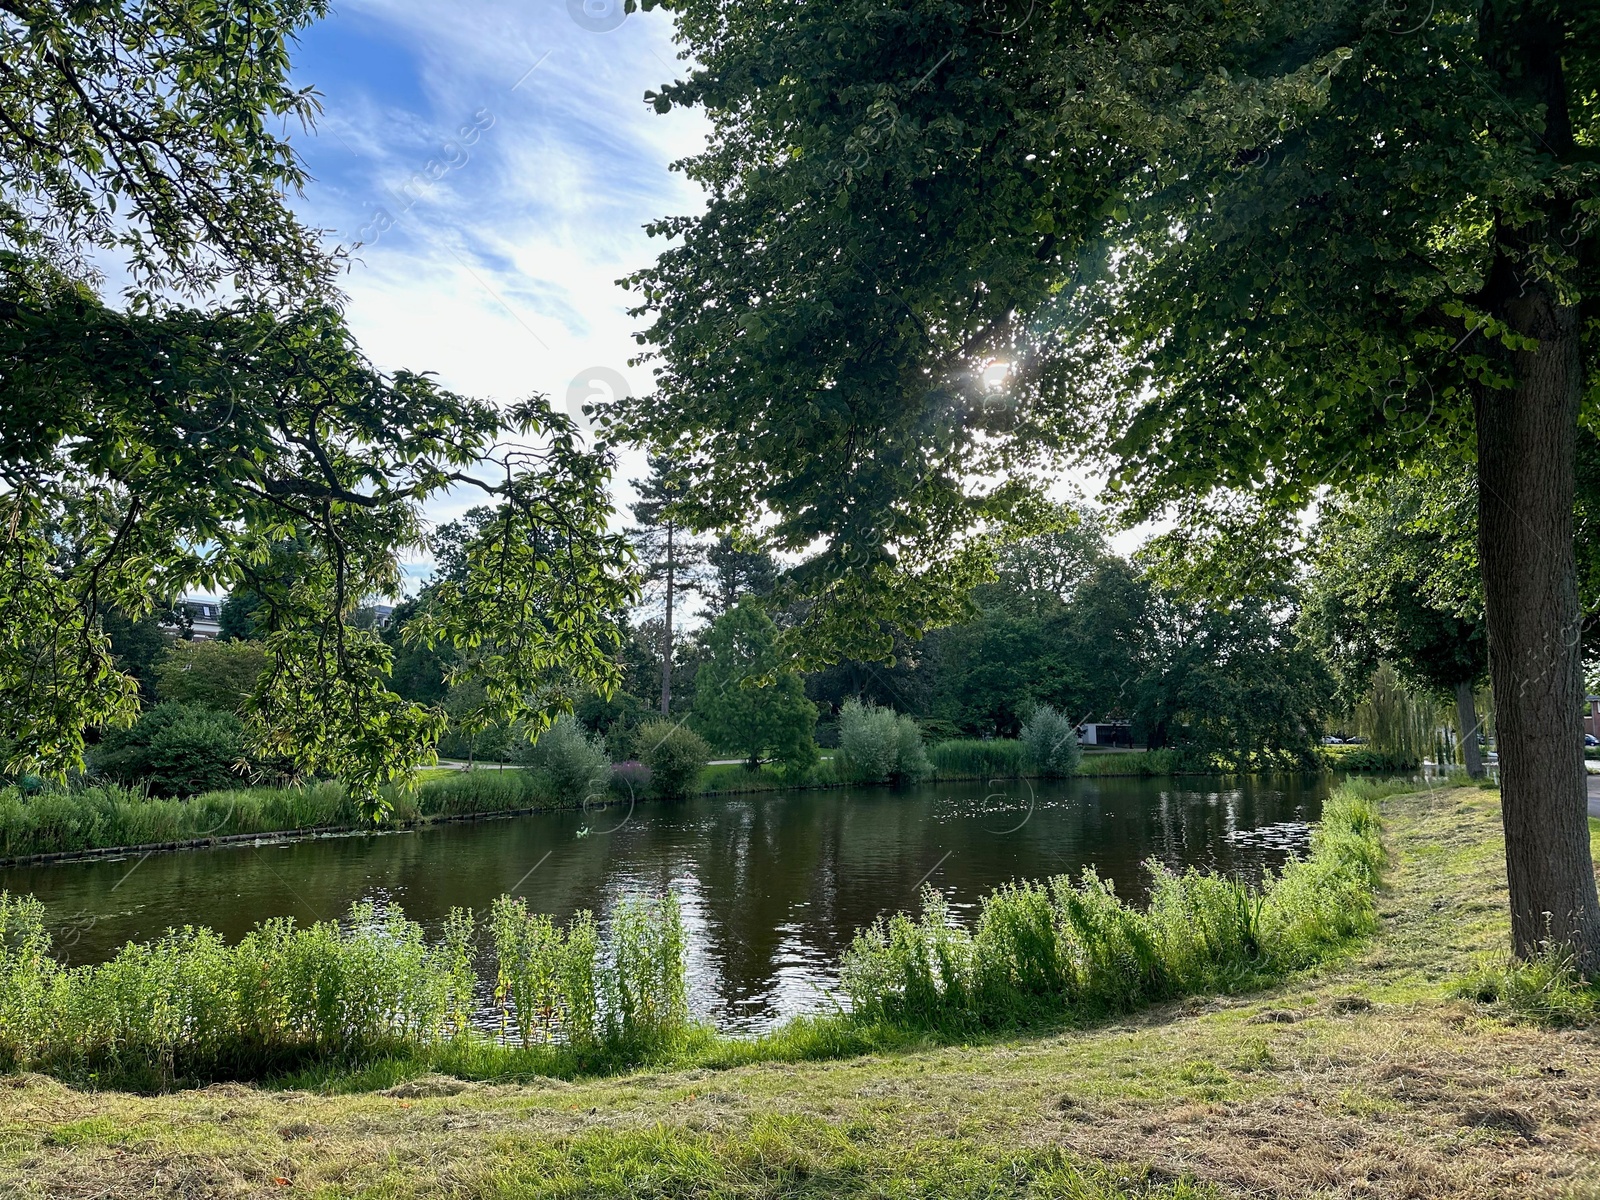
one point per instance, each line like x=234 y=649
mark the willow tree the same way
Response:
x=1384 y=589
x=1258 y=247
x=173 y=438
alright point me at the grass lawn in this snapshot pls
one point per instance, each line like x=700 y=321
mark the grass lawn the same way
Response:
x=1361 y=1078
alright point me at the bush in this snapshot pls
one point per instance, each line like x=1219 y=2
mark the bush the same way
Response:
x=176 y=750
x=970 y=758
x=573 y=761
x=676 y=756
x=630 y=780
x=1050 y=744
x=1062 y=948
x=878 y=745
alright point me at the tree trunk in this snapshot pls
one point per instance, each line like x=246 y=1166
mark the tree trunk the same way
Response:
x=1526 y=444
x=1527 y=434
x=666 y=648
x=1467 y=718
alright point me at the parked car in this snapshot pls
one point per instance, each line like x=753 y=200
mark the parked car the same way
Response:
x=1589 y=739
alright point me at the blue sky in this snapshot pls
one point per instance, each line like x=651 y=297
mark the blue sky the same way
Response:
x=498 y=161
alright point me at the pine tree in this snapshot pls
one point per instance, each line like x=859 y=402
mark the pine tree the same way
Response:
x=669 y=556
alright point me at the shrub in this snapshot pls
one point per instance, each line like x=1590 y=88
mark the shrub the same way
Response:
x=878 y=745
x=573 y=761
x=631 y=780
x=676 y=756
x=971 y=758
x=176 y=750
x=1050 y=744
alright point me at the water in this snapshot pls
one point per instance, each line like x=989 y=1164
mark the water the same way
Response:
x=772 y=886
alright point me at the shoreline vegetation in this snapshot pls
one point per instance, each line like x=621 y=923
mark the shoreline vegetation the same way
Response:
x=574 y=1001
x=63 y=824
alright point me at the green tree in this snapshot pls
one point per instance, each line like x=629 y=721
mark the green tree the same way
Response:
x=1250 y=248
x=746 y=700
x=734 y=572
x=176 y=445
x=1230 y=684
x=219 y=675
x=138 y=645
x=669 y=555
x=1379 y=592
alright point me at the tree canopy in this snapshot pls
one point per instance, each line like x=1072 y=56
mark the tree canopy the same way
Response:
x=746 y=700
x=1219 y=248
x=176 y=440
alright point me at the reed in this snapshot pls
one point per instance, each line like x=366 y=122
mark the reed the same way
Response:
x=972 y=758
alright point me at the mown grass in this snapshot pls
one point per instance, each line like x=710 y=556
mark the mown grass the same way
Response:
x=1362 y=1076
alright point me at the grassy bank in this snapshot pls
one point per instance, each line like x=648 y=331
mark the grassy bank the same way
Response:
x=340 y=997
x=1365 y=1076
x=59 y=821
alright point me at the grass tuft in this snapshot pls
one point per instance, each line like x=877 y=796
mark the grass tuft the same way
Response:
x=1548 y=989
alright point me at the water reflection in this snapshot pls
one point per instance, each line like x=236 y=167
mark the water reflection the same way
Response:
x=772 y=887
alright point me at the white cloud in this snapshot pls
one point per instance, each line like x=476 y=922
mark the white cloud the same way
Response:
x=517 y=195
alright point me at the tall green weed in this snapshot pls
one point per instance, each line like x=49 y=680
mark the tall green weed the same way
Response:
x=973 y=758
x=1066 y=948
x=188 y=1005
